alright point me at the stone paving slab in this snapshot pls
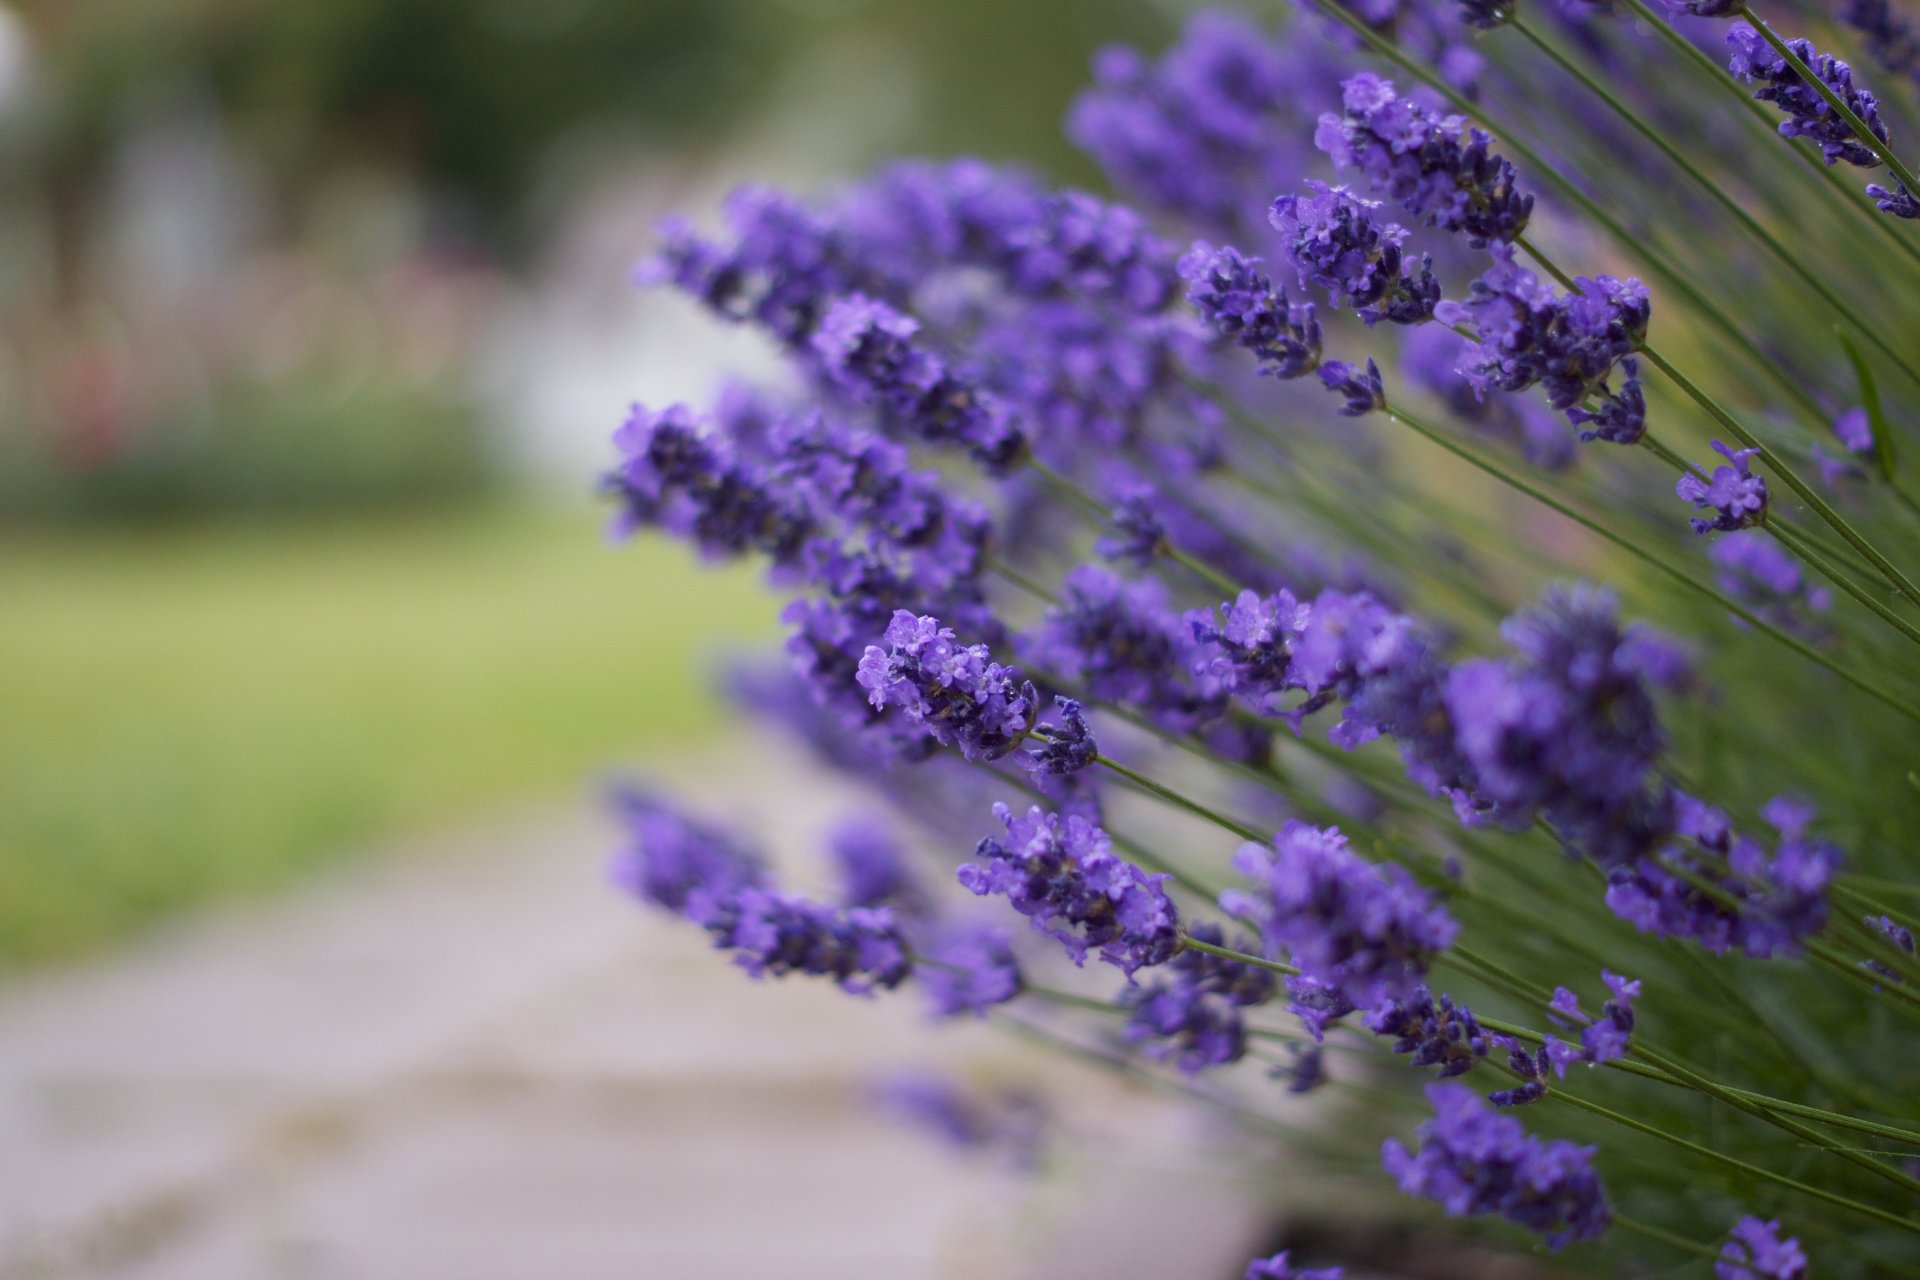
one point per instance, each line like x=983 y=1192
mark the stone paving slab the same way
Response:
x=476 y=1061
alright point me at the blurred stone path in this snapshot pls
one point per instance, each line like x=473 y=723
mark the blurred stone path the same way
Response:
x=477 y=1061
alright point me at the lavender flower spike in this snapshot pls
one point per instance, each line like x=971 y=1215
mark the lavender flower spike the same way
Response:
x=1365 y=931
x=1808 y=114
x=1736 y=496
x=1476 y=1161
x=1437 y=167
x=1755 y=1251
x=1062 y=874
x=1240 y=303
x=1364 y=391
x=956 y=692
x=1334 y=241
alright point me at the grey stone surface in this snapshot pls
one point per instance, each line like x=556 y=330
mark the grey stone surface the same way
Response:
x=476 y=1061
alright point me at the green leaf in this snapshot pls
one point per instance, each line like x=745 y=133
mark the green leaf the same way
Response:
x=1870 y=397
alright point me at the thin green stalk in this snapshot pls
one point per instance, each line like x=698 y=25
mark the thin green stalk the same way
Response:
x=1659 y=564
x=1880 y=1170
x=1651 y=1232
x=1753 y=227
x=1786 y=474
x=1179 y=801
x=1796 y=543
x=1839 y=104
x=1752 y=1170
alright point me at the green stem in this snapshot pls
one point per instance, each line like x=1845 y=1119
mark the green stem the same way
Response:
x=1752 y=1170
x=1658 y=564
x=1834 y=100
x=1179 y=801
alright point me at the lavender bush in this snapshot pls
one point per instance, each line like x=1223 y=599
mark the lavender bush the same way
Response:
x=1340 y=497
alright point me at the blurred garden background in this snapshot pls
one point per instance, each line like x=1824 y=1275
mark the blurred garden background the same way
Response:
x=314 y=320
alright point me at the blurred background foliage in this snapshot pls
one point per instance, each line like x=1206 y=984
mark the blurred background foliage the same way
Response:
x=286 y=570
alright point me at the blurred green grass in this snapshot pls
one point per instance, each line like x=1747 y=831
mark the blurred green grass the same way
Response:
x=205 y=713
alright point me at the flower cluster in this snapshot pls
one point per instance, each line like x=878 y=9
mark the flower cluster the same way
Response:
x=1755 y=570
x=1438 y=167
x=1240 y=303
x=1809 y=115
x=1190 y=1013
x=1333 y=240
x=1737 y=497
x=1366 y=932
x=1474 y=1161
x=1726 y=891
x=1062 y=874
x=969 y=970
x=957 y=693
x=1443 y=1034
x=717 y=884
x=1756 y=1251
x=1569 y=344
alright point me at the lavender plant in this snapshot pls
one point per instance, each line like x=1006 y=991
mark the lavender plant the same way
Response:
x=1298 y=578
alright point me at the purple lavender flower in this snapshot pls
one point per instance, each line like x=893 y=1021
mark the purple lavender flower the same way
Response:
x=1139 y=536
x=1736 y=496
x=1248 y=652
x=1278 y=1268
x=1764 y=904
x=1009 y=1123
x=969 y=970
x=955 y=692
x=1431 y=357
x=785 y=261
x=1367 y=932
x=1808 y=115
x=1474 y=1161
x=1362 y=388
x=872 y=864
x=1755 y=570
x=777 y=933
x=1438 y=167
x=1240 y=303
x=1204 y=132
x=1334 y=241
x=1755 y=1251
x=1191 y=1013
x=677 y=863
x=1122 y=642
x=675 y=476
x=871 y=351
x=1569 y=728
x=1609 y=1036
x=1616 y=417
x=1896 y=200
x=1567 y=343
x=1531 y=1065
x=1854 y=430
x=1317 y=1005
x=1062 y=874
x=1067 y=747
x=1893 y=931
x=1443 y=1035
